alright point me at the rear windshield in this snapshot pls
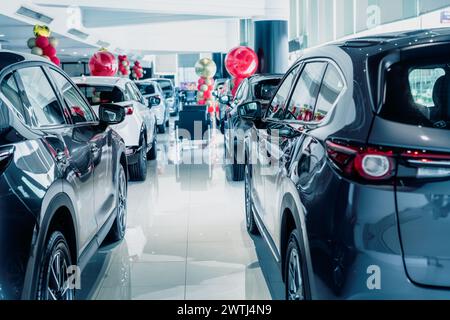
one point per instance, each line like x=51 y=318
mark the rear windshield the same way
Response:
x=265 y=90
x=146 y=88
x=419 y=94
x=102 y=94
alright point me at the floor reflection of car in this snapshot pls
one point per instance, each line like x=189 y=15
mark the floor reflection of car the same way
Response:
x=63 y=179
x=256 y=88
x=151 y=89
x=349 y=175
x=139 y=128
x=169 y=95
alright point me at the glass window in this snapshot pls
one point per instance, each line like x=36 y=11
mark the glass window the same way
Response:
x=241 y=93
x=276 y=108
x=431 y=5
x=264 y=90
x=102 y=94
x=166 y=87
x=11 y=92
x=41 y=103
x=332 y=86
x=418 y=94
x=136 y=92
x=80 y=111
x=304 y=97
x=146 y=88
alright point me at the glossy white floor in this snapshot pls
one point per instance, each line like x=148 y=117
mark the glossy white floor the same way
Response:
x=186 y=237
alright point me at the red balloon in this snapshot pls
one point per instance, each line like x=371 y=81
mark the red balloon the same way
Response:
x=103 y=63
x=42 y=42
x=207 y=95
x=202 y=102
x=242 y=62
x=211 y=88
x=201 y=81
x=50 y=51
x=55 y=60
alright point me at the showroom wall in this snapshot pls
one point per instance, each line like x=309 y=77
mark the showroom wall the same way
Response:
x=314 y=22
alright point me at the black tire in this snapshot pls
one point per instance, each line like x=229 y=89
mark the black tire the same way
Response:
x=117 y=232
x=138 y=171
x=162 y=129
x=252 y=228
x=295 y=252
x=237 y=169
x=53 y=281
x=153 y=153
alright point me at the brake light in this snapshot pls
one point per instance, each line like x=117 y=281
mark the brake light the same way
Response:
x=369 y=163
x=129 y=111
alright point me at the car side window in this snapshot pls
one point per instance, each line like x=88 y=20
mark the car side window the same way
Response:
x=40 y=101
x=131 y=92
x=137 y=93
x=332 y=86
x=304 y=97
x=11 y=92
x=276 y=108
x=79 y=110
x=127 y=94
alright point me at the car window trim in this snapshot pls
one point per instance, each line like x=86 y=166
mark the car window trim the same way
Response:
x=344 y=90
x=77 y=89
x=300 y=65
x=22 y=90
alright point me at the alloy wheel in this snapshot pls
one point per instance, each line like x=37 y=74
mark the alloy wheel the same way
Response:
x=58 y=286
x=294 y=277
x=122 y=205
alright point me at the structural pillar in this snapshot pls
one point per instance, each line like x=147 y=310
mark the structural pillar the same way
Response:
x=272 y=45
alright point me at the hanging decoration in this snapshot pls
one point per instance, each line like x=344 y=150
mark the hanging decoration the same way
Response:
x=241 y=63
x=206 y=69
x=138 y=72
x=42 y=44
x=103 y=63
x=124 y=66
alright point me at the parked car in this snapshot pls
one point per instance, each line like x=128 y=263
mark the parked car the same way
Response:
x=169 y=95
x=259 y=88
x=351 y=186
x=139 y=128
x=151 y=89
x=63 y=179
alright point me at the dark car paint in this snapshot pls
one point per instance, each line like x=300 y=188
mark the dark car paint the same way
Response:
x=234 y=126
x=349 y=227
x=35 y=187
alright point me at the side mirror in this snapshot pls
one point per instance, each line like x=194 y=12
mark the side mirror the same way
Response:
x=111 y=114
x=250 y=111
x=153 y=102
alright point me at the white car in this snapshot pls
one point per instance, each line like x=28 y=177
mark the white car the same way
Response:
x=150 y=89
x=139 y=128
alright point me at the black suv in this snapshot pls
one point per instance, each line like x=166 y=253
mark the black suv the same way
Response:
x=349 y=169
x=63 y=179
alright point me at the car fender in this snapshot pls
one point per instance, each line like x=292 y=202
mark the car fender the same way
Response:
x=291 y=200
x=40 y=234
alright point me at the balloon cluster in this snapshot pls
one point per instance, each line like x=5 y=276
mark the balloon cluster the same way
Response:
x=103 y=63
x=138 y=71
x=124 y=66
x=241 y=63
x=42 y=44
x=206 y=69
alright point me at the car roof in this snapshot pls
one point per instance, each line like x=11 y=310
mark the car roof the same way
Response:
x=102 y=81
x=8 y=58
x=261 y=77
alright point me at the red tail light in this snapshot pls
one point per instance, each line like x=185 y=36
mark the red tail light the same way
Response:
x=368 y=163
x=129 y=111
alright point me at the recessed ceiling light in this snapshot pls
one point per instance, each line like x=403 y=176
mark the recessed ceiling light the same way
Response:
x=2 y=35
x=75 y=53
x=62 y=50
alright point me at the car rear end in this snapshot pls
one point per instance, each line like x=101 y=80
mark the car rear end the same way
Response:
x=152 y=89
x=21 y=193
x=398 y=183
x=130 y=129
x=169 y=95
